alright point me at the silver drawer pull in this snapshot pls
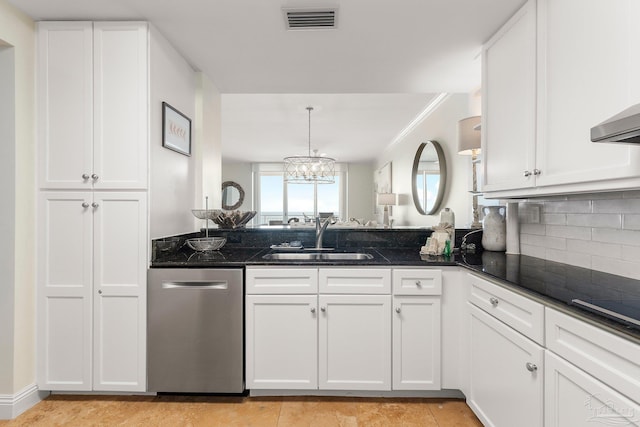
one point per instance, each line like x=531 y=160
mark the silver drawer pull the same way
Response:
x=85 y=205
x=195 y=285
x=418 y=283
x=85 y=176
x=323 y=309
x=531 y=367
x=494 y=301
x=313 y=309
x=398 y=310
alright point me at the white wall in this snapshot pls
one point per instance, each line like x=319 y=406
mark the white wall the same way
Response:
x=208 y=145
x=17 y=160
x=441 y=126
x=172 y=175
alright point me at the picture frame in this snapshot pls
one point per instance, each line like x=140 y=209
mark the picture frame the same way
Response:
x=176 y=130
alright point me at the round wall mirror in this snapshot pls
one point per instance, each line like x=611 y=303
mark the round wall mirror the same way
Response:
x=428 y=176
x=232 y=195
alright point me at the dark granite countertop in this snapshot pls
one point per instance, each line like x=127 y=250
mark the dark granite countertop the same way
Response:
x=551 y=283
x=558 y=285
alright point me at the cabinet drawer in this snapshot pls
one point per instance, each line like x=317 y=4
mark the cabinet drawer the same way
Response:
x=417 y=282
x=519 y=312
x=608 y=357
x=282 y=281
x=354 y=281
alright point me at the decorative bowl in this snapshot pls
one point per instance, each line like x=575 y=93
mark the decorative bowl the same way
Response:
x=233 y=219
x=205 y=213
x=203 y=244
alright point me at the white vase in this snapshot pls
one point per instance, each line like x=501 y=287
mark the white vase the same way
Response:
x=494 y=233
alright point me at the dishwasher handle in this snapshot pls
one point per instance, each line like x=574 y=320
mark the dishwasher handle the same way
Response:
x=208 y=284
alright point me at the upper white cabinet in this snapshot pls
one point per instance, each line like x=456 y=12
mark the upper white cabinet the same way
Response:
x=509 y=94
x=93 y=105
x=585 y=70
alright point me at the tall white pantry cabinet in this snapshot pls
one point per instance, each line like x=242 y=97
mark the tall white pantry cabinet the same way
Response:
x=93 y=121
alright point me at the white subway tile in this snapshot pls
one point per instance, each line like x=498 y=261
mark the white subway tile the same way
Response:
x=616 y=266
x=595 y=220
x=594 y=196
x=534 y=251
x=578 y=259
x=554 y=219
x=619 y=206
x=633 y=194
x=555 y=255
x=631 y=221
x=538 y=229
x=582 y=233
x=569 y=206
x=543 y=241
x=594 y=248
x=631 y=253
x=623 y=237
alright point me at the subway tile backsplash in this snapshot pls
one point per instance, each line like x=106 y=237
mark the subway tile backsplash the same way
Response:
x=597 y=231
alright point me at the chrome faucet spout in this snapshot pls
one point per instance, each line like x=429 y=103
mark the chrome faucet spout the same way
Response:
x=320 y=229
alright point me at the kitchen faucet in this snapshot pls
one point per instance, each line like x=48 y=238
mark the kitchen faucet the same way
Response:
x=320 y=229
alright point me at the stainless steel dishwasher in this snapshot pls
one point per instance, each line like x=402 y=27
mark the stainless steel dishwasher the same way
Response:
x=195 y=330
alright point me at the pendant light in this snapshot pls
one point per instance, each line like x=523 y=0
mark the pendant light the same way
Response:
x=309 y=169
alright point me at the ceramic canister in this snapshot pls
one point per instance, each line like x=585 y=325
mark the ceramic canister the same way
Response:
x=494 y=233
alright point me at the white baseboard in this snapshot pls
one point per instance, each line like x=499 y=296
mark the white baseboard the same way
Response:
x=12 y=405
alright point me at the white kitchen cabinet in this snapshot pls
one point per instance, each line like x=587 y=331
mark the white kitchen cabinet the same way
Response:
x=586 y=70
x=282 y=341
x=509 y=103
x=416 y=323
x=354 y=342
x=93 y=115
x=92 y=291
x=416 y=343
x=506 y=374
x=575 y=398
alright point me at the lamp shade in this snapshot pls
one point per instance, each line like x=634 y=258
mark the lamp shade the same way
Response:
x=386 y=198
x=469 y=135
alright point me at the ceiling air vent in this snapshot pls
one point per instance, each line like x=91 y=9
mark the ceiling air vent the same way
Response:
x=310 y=19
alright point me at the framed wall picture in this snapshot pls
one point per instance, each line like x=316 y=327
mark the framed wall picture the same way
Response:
x=176 y=130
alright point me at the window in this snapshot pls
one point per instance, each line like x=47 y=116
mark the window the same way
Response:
x=278 y=201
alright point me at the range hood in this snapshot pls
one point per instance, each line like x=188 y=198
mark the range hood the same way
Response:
x=624 y=127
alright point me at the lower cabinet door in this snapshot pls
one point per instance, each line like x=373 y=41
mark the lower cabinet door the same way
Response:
x=281 y=342
x=120 y=291
x=354 y=342
x=575 y=398
x=506 y=374
x=416 y=343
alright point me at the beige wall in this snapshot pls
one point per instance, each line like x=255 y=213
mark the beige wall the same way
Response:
x=440 y=125
x=17 y=360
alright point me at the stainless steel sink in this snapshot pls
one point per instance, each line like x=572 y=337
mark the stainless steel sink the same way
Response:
x=318 y=256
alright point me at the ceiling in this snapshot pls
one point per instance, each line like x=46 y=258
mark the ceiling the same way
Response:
x=368 y=78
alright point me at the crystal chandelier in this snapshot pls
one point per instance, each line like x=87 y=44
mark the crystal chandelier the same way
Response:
x=309 y=169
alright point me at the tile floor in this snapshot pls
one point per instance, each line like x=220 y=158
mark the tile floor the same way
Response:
x=171 y=410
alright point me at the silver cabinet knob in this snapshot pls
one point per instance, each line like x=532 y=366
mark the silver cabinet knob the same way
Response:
x=94 y=177
x=313 y=309
x=418 y=283
x=537 y=172
x=94 y=205
x=527 y=174
x=398 y=310
x=494 y=301
x=85 y=176
x=100 y=292
x=531 y=367
x=85 y=205
x=323 y=309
